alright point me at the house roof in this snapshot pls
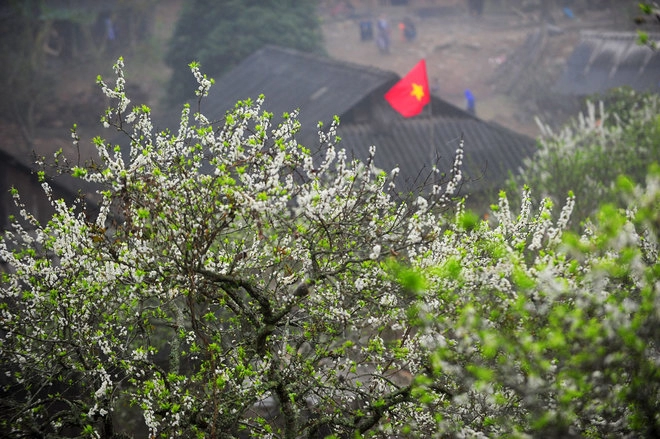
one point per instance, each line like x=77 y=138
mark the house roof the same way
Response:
x=322 y=87
x=491 y=151
x=14 y=172
x=319 y=86
x=604 y=60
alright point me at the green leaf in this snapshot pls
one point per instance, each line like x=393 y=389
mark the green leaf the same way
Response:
x=480 y=372
x=79 y=172
x=468 y=220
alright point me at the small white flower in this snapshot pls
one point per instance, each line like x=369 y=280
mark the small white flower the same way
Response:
x=388 y=300
x=375 y=252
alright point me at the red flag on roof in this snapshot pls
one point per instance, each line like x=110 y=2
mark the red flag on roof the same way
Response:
x=411 y=93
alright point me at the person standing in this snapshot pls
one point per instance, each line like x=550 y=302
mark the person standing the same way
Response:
x=383 y=35
x=408 y=31
x=470 y=102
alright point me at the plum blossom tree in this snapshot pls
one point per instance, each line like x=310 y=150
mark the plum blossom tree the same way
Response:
x=232 y=284
x=545 y=333
x=228 y=274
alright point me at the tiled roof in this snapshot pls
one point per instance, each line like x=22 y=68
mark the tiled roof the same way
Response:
x=604 y=60
x=289 y=79
x=16 y=173
x=322 y=87
x=415 y=145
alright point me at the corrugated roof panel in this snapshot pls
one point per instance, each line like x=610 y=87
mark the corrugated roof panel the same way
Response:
x=603 y=60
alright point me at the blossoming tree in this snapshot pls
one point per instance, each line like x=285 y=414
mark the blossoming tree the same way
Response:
x=226 y=274
x=229 y=284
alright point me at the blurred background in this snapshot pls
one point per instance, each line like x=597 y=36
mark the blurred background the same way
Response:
x=510 y=54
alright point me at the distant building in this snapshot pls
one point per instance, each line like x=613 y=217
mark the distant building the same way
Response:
x=605 y=60
x=322 y=87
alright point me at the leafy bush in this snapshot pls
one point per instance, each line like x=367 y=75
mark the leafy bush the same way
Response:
x=233 y=285
x=548 y=333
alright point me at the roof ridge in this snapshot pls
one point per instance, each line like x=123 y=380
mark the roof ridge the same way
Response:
x=326 y=59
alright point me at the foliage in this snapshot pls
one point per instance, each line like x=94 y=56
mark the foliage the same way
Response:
x=232 y=284
x=619 y=135
x=227 y=275
x=548 y=334
x=219 y=35
x=643 y=36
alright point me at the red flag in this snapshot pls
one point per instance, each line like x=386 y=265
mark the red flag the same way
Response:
x=411 y=93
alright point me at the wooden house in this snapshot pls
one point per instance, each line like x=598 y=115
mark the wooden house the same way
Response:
x=322 y=87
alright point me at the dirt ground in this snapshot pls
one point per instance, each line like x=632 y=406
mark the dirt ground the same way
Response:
x=477 y=53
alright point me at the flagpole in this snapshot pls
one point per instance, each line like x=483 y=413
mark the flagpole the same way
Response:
x=432 y=130
x=410 y=95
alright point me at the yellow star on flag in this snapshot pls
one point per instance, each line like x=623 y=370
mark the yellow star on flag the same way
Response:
x=417 y=91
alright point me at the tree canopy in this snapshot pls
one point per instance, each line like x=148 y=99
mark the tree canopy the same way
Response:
x=228 y=282
x=221 y=34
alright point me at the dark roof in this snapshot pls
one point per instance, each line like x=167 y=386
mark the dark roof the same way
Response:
x=14 y=172
x=320 y=86
x=491 y=152
x=604 y=60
